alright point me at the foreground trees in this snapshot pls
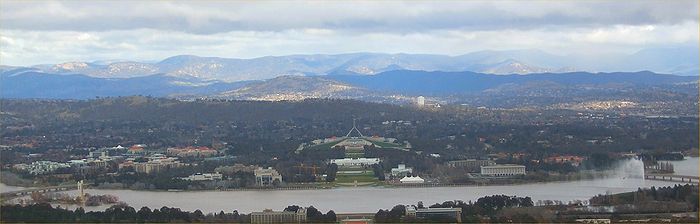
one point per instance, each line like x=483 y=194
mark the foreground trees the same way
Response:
x=487 y=206
x=127 y=214
x=114 y=214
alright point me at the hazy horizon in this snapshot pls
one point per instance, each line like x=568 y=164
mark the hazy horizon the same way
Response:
x=156 y=60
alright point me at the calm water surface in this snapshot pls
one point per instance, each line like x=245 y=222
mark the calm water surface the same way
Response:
x=6 y=188
x=689 y=166
x=368 y=199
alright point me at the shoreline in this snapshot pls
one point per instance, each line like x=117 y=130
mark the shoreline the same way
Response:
x=586 y=175
x=382 y=185
x=561 y=190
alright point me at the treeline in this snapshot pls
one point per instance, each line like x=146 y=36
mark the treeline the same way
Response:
x=63 y=198
x=114 y=214
x=378 y=170
x=172 y=179
x=126 y=214
x=163 y=110
x=687 y=193
x=654 y=156
x=485 y=207
x=313 y=215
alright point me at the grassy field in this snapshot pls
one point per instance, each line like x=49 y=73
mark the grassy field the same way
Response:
x=354 y=155
x=387 y=144
x=355 y=150
x=347 y=168
x=324 y=146
x=367 y=176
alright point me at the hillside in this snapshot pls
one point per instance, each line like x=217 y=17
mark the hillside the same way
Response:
x=679 y=61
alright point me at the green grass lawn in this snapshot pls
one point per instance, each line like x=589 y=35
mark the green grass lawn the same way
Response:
x=354 y=155
x=367 y=176
x=355 y=150
x=387 y=144
x=324 y=146
x=346 y=168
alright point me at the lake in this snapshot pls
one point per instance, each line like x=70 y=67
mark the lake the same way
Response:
x=6 y=188
x=370 y=199
x=688 y=166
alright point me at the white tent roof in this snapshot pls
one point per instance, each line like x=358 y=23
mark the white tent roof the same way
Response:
x=412 y=179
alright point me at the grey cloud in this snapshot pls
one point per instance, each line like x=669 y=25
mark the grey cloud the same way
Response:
x=218 y=17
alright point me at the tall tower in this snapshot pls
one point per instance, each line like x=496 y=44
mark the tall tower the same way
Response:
x=81 y=189
x=420 y=101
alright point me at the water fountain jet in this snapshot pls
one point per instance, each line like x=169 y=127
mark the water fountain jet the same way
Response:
x=631 y=168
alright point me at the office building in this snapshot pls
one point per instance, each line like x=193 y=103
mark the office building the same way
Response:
x=156 y=164
x=269 y=216
x=441 y=214
x=503 y=170
x=471 y=165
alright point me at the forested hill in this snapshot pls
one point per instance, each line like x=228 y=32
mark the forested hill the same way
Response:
x=138 y=108
x=442 y=83
x=78 y=86
x=382 y=87
x=279 y=127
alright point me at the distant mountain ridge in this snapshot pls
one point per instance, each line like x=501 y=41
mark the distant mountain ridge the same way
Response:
x=392 y=86
x=445 y=83
x=34 y=84
x=679 y=61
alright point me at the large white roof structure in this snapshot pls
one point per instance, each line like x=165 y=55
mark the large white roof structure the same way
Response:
x=412 y=180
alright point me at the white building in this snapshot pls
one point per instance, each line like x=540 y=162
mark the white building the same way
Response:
x=401 y=171
x=41 y=167
x=503 y=170
x=420 y=101
x=412 y=180
x=204 y=177
x=266 y=177
x=356 y=161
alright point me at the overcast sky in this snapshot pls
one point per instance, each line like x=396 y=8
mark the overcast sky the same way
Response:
x=35 y=32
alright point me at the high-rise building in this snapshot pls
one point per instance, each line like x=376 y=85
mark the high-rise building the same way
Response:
x=420 y=101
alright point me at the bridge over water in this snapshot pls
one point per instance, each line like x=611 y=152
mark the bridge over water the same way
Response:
x=673 y=177
x=14 y=194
